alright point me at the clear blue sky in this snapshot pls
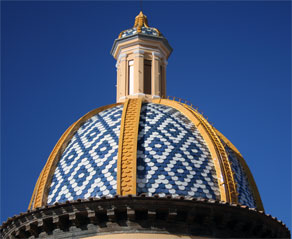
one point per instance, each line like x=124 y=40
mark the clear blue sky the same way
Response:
x=231 y=59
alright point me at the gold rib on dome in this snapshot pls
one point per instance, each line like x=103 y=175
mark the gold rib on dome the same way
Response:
x=251 y=181
x=127 y=154
x=40 y=194
x=141 y=21
x=42 y=186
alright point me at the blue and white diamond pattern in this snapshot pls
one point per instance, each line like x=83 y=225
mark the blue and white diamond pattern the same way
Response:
x=88 y=166
x=245 y=196
x=172 y=157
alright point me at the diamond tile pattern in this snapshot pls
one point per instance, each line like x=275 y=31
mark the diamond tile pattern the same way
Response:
x=88 y=166
x=172 y=159
x=172 y=156
x=145 y=30
x=245 y=196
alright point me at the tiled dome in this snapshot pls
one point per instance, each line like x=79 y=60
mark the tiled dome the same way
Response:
x=173 y=158
x=144 y=159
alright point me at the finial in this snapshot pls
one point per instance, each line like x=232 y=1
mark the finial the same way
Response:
x=140 y=22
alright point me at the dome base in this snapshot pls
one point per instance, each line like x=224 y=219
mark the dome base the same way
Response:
x=93 y=218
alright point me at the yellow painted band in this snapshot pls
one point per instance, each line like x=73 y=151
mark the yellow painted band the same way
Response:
x=230 y=145
x=32 y=200
x=127 y=154
x=43 y=183
x=223 y=170
x=119 y=161
x=228 y=173
x=251 y=181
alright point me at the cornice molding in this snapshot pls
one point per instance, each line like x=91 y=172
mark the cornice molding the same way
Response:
x=142 y=214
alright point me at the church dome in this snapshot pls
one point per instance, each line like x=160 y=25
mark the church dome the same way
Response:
x=172 y=156
x=148 y=165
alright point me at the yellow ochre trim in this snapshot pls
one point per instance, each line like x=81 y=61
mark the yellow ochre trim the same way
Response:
x=119 y=164
x=44 y=181
x=127 y=154
x=228 y=173
x=251 y=181
x=223 y=169
x=32 y=200
x=230 y=145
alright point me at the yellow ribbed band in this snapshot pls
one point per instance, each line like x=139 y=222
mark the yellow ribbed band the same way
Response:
x=127 y=154
x=47 y=171
x=251 y=181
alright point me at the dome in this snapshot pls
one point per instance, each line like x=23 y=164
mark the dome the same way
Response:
x=148 y=165
x=173 y=156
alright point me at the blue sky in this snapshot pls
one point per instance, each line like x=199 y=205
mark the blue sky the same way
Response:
x=231 y=59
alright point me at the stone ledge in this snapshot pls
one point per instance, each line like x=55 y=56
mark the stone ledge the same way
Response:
x=179 y=216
